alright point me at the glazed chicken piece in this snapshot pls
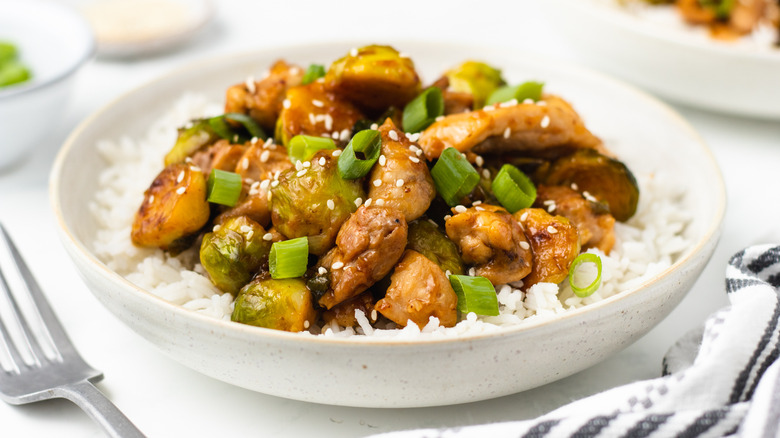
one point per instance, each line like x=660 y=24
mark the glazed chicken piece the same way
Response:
x=260 y=162
x=491 y=240
x=406 y=183
x=222 y=155
x=531 y=127
x=595 y=226
x=418 y=290
x=344 y=313
x=554 y=242
x=367 y=247
x=174 y=208
x=262 y=100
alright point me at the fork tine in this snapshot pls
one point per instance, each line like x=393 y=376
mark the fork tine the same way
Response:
x=52 y=327
x=27 y=337
x=11 y=351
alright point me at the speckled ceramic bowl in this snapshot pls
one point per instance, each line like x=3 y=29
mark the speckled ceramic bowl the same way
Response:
x=400 y=373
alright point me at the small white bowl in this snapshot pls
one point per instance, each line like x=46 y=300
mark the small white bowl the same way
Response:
x=376 y=372
x=667 y=57
x=54 y=41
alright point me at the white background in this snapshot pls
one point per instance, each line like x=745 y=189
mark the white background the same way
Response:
x=166 y=399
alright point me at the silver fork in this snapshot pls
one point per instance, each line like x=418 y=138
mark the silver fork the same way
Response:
x=42 y=363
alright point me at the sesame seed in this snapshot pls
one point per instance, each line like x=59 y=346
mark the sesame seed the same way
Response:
x=180 y=178
x=588 y=196
x=312 y=119
x=274 y=183
x=195 y=168
x=414 y=159
x=322 y=161
x=460 y=209
x=368 y=202
x=306 y=164
x=399 y=183
x=321 y=270
x=439 y=118
x=250 y=234
x=286 y=103
x=373 y=314
x=181 y=190
x=551 y=208
x=358 y=201
x=380 y=202
x=478 y=208
x=245 y=163
x=472 y=271
x=306 y=324
x=479 y=161
x=337 y=265
x=525 y=245
x=331 y=204
x=574 y=186
x=270 y=196
x=489 y=108
x=301 y=172
x=486 y=173
x=329 y=122
x=353 y=52
x=418 y=152
x=298 y=165
x=447 y=273
x=541 y=103
x=265 y=183
x=548 y=202
x=344 y=134
x=254 y=140
x=507 y=132
x=476 y=202
x=528 y=100
x=414 y=148
x=393 y=135
x=250 y=84
x=377 y=182
x=374 y=126
x=268 y=143
x=447 y=217
x=382 y=160
x=216 y=228
x=336 y=153
x=334 y=135
x=545 y=122
x=264 y=156
x=151 y=199
x=317 y=103
x=551 y=229
x=524 y=217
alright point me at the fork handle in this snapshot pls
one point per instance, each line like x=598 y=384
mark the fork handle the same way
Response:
x=100 y=408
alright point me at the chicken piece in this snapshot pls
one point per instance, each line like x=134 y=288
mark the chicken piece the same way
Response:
x=418 y=290
x=401 y=166
x=694 y=13
x=174 y=208
x=554 y=242
x=313 y=110
x=262 y=100
x=491 y=240
x=530 y=127
x=344 y=313
x=595 y=226
x=221 y=155
x=261 y=162
x=367 y=246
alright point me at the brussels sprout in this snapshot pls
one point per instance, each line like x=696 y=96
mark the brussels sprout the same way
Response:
x=174 y=208
x=313 y=110
x=429 y=240
x=597 y=177
x=374 y=78
x=314 y=202
x=275 y=304
x=191 y=139
x=233 y=253
x=476 y=78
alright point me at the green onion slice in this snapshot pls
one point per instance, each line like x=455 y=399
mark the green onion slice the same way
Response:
x=453 y=176
x=475 y=294
x=223 y=187
x=527 y=90
x=361 y=153
x=303 y=147
x=423 y=110
x=289 y=258
x=314 y=72
x=513 y=189
x=252 y=127
x=577 y=272
x=223 y=129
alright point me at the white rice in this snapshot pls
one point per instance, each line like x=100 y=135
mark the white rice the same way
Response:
x=646 y=245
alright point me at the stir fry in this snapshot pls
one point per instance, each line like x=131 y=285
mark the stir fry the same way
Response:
x=383 y=197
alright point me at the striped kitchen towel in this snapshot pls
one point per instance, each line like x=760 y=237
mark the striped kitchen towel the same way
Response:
x=721 y=380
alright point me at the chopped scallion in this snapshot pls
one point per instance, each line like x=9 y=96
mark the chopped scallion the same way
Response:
x=314 y=72
x=453 y=176
x=475 y=294
x=527 y=90
x=361 y=153
x=513 y=189
x=303 y=147
x=223 y=129
x=251 y=126
x=289 y=258
x=423 y=110
x=577 y=272
x=223 y=187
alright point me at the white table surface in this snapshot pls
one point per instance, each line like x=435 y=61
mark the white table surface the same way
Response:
x=166 y=399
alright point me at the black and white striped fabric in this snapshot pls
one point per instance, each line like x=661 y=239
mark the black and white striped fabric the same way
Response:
x=722 y=380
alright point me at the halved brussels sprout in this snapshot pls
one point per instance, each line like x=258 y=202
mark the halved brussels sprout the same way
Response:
x=234 y=252
x=174 y=208
x=196 y=136
x=597 y=177
x=476 y=78
x=374 y=78
x=275 y=304
x=314 y=202
x=429 y=240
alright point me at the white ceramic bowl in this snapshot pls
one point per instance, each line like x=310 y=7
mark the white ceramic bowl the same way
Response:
x=668 y=58
x=53 y=42
x=368 y=372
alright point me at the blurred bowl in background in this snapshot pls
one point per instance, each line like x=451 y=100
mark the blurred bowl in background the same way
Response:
x=672 y=60
x=53 y=41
